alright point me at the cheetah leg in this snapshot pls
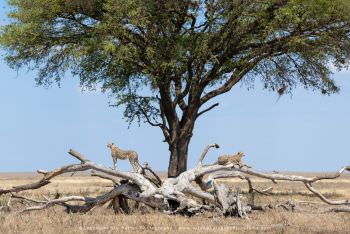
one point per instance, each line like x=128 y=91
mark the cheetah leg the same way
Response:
x=114 y=163
x=133 y=164
x=134 y=167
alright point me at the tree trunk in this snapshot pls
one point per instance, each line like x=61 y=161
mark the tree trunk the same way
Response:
x=180 y=131
x=181 y=137
x=178 y=157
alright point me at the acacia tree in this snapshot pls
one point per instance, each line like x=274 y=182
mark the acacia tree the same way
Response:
x=165 y=60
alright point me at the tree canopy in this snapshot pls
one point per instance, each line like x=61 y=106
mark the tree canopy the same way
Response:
x=163 y=60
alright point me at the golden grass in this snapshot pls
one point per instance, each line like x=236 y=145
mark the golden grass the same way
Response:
x=101 y=220
x=312 y=219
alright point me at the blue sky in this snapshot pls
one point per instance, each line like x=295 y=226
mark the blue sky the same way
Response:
x=305 y=132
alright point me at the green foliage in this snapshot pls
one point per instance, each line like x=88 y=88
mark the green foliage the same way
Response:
x=179 y=49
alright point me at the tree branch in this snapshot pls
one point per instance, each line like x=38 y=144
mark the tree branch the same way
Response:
x=106 y=177
x=307 y=181
x=178 y=91
x=78 y=156
x=208 y=109
x=147 y=118
x=27 y=198
x=200 y=160
x=227 y=86
x=323 y=198
x=164 y=128
x=199 y=194
x=143 y=183
x=340 y=209
x=89 y=202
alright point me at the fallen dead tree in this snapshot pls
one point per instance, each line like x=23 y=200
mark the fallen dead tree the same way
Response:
x=179 y=195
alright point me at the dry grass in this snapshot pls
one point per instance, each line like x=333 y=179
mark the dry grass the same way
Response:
x=308 y=219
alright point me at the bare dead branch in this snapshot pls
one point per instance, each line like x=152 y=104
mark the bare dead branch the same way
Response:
x=278 y=176
x=35 y=185
x=307 y=181
x=138 y=179
x=42 y=172
x=16 y=196
x=200 y=161
x=265 y=191
x=104 y=176
x=323 y=198
x=89 y=202
x=56 y=201
x=78 y=156
x=148 y=173
x=252 y=189
x=331 y=177
x=200 y=194
x=46 y=179
x=340 y=209
x=172 y=194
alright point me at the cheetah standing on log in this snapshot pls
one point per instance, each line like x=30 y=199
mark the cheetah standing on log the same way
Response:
x=124 y=154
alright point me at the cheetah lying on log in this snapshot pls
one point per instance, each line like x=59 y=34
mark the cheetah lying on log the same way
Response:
x=235 y=159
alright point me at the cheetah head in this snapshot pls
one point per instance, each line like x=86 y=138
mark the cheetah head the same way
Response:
x=110 y=145
x=240 y=154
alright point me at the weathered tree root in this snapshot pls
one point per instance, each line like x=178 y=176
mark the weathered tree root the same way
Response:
x=172 y=195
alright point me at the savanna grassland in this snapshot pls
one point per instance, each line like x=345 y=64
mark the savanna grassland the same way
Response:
x=310 y=214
